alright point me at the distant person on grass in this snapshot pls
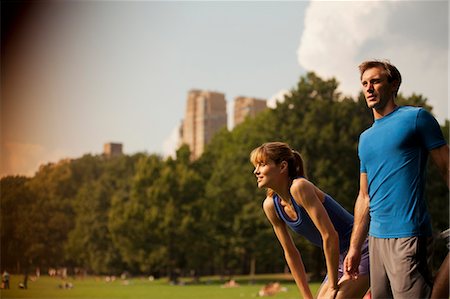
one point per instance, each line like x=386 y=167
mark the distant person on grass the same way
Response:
x=293 y=201
x=5 y=280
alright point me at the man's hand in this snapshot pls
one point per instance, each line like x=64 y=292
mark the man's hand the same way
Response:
x=351 y=263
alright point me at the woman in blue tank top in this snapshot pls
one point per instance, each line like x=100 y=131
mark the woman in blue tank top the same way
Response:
x=293 y=201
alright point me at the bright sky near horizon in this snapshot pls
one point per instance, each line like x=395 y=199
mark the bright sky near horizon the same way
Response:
x=78 y=74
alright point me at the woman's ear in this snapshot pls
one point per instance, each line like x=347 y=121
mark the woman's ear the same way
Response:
x=284 y=167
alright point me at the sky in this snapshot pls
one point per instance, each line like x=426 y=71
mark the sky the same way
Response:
x=78 y=74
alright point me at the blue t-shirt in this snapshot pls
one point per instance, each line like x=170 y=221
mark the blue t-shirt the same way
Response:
x=393 y=153
x=304 y=226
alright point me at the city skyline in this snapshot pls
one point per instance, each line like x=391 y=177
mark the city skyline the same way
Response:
x=206 y=113
x=78 y=74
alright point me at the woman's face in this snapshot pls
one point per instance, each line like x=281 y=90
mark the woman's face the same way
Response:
x=266 y=173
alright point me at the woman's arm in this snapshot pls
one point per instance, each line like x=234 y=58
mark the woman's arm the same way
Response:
x=304 y=192
x=291 y=253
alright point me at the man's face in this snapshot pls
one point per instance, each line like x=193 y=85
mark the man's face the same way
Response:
x=377 y=90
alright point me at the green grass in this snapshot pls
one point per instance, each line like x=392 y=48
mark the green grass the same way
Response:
x=137 y=288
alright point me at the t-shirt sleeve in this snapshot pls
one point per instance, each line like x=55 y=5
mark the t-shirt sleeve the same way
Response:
x=362 y=167
x=429 y=130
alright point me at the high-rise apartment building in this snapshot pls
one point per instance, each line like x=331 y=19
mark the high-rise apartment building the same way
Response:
x=112 y=149
x=206 y=113
x=247 y=107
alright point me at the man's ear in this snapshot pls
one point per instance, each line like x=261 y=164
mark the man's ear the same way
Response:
x=395 y=86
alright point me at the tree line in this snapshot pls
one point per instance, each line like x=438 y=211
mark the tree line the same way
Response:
x=148 y=215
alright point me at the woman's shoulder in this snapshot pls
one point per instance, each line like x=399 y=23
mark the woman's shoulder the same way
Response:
x=304 y=186
x=301 y=183
x=270 y=210
x=268 y=203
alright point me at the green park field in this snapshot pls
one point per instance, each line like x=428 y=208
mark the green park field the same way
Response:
x=136 y=288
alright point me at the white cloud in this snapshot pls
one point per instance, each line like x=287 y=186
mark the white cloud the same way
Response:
x=170 y=144
x=413 y=35
x=277 y=98
x=230 y=115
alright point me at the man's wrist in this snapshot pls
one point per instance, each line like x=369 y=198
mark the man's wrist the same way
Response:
x=355 y=247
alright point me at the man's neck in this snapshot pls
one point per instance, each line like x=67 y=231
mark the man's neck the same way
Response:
x=380 y=113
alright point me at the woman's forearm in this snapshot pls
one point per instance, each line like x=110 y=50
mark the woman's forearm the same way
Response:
x=331 y=251
x=297 y=268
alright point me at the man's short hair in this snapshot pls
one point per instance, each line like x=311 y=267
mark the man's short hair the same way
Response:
x=389 y=70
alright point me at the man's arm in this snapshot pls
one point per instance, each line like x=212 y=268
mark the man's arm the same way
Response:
x=440 y=157
x=360 y=228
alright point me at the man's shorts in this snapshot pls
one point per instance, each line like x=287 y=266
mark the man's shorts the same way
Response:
x=399 y=267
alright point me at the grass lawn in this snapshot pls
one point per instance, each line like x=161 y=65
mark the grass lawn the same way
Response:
x=136 y=288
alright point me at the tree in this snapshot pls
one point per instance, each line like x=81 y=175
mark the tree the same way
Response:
x=51 y=214
x=15 y=201
x=146 y=214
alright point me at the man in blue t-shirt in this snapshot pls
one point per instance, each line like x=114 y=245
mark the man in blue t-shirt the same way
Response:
x=391 y=206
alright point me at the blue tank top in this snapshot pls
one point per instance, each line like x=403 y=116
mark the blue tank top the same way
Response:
x=304 y=226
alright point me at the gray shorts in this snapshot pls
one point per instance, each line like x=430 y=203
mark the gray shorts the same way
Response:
x=364 y=265
x=399 y=268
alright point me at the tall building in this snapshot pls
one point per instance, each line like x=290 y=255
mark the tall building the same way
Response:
x=206 y=113
x=112 y=149
x=247 y=107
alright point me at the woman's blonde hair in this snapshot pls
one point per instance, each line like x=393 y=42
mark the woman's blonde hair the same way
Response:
x=279 y=152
